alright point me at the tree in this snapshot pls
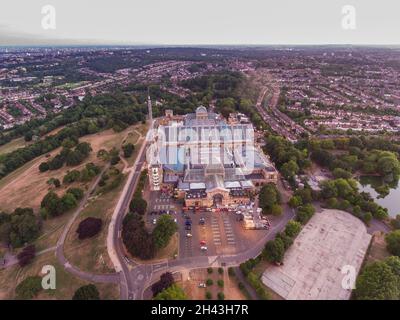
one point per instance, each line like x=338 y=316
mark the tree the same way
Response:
x=89 y=227
x=68 y=202
x=128 y=149
x=208 y=295
x=289 y=169
x=24 y=227
x=268 y=197
x=88 y=292
x=209 y=282
x=138 y=205
x=393 y=242
x=52 y=203
x=304 y=213
x=26 y=256
x=136 y=239
x=220 y=283
x=29 y=288
x=292 y=228
x=295 y=202
x=274 y=250
x=221 y=296
x=166 y=280
x=174 y=292
x=379 y=281
x=163 y=231
x=341 y=173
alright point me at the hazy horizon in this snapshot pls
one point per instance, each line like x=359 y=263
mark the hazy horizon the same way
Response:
x=206 y=23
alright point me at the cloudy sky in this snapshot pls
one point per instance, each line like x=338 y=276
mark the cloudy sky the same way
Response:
x=200 y=22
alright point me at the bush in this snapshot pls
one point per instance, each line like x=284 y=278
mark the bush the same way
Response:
x=26 y=256
x=276 y=210
x=255 y=282
x=220 y=283
x=76 y=192
x=89 y=227
x=88 y=292
x=29 y=288
x=114 y=160
x=174 y=292
x=208 y=295
x=43 y=167
x=71 y=176
x=231 y=272
x=128 y=149
x=209 y=282
x=393 y=242
x=221 y=296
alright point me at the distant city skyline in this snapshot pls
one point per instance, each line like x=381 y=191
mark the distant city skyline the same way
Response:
x=180 y=22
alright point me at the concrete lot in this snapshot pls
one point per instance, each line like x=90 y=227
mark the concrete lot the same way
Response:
x=312 y=265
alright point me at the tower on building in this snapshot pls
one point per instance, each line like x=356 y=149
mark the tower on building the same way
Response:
x=149 y=107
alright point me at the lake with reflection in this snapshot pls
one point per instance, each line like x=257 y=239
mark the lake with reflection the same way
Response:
x=390 y=201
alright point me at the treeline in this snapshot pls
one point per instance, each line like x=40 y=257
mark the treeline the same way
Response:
x=112 y=110
x=374 y=156
x=86 y=174
x=289 y=159
x=72 y=157
x=343 y=194
x=137 y=240
x=270 y=200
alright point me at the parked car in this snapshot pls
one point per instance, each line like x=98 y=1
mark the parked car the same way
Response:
x=188 y=235
x=188 y=227
x=203 y=248
x=202 y=285
x=154 y=221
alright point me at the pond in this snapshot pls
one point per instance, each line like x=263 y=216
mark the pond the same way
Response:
x=391 y=200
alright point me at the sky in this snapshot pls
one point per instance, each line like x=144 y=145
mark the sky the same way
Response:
x=207 y=22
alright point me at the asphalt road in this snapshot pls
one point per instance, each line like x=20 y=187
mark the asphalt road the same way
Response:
x=129 y=273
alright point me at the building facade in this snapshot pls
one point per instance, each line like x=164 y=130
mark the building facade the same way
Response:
x=206 y=161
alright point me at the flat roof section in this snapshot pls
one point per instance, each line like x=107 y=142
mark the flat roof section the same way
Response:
x=312 y=265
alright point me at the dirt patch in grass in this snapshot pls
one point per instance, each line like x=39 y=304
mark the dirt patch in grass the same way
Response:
x=191 y=286
x=13 y=145
x=26 y=186
x=66 y=283
x=91 y=254
x=377 y=250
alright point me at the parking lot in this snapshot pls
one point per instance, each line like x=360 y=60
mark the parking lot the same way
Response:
x=217 y=232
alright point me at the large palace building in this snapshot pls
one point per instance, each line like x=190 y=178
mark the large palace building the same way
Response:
x=205 y=161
